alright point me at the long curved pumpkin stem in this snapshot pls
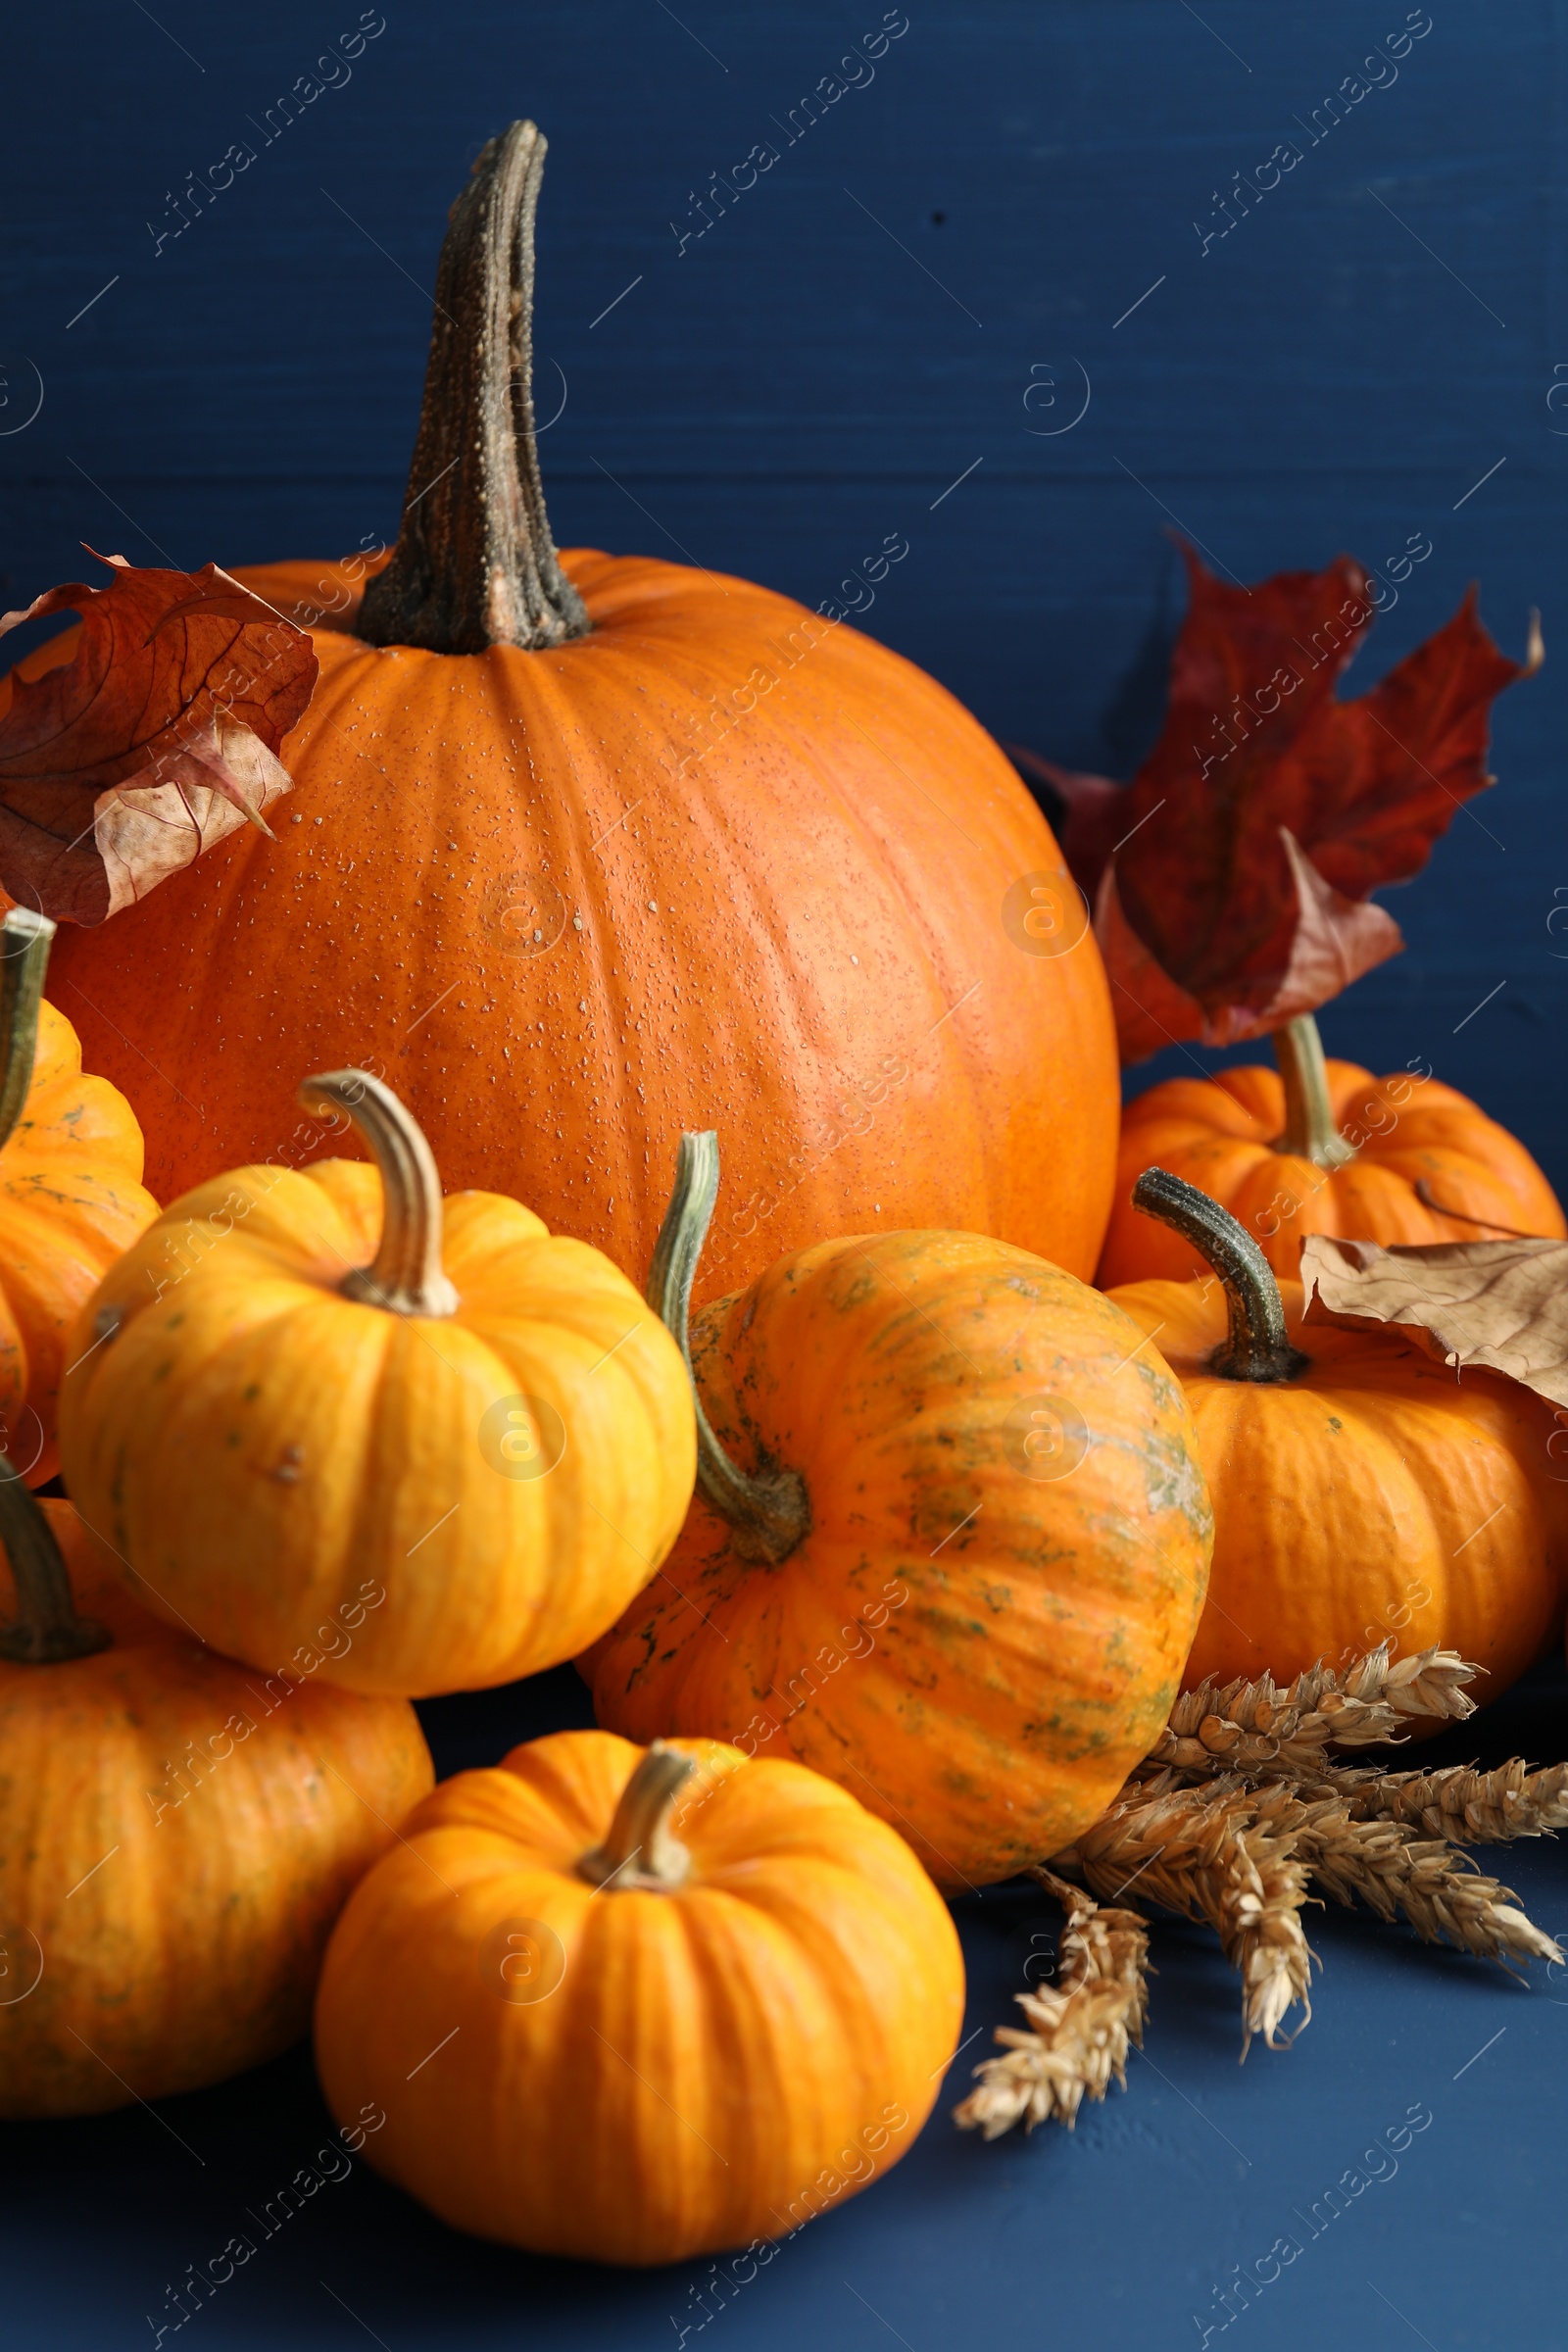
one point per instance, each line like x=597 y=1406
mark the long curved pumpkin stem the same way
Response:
x=475 y=565
x=639 y=1850
x=1310 y=1130
x=771 y=1511
x=46 y=1630
x=23 y=960
x=406 y=1276
x=1256 y=1347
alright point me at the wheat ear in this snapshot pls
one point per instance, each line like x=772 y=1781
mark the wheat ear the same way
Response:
x=1464 y=1805
x=1201 y=1853
x=1392 y=1868
x=1257 y=1727
x=1080 y=2027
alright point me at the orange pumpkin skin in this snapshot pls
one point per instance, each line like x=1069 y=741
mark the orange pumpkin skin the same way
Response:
x=175 y=1873
x=257 y=1446
x=70 y=1201
x=667 y=2074
x=1372 y=1497
x=979 y=1653
x=792 y=931
x=1218 y=1135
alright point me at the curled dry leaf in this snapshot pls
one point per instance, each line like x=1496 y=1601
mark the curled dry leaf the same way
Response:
x=1231 y=877
x=1499 y=1307
x=1079 y=2028
x=155 y=736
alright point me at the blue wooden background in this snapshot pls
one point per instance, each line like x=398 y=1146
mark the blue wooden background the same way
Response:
x=893 y=330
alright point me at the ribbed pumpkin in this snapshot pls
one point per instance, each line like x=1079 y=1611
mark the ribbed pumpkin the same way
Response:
x=298 y=1379
x=959 y=1553
x=611 y=847
x=70 y=1192
x=1362 y=1494
x=1321 y=1147
x=636 y=2006
x=175 y=1842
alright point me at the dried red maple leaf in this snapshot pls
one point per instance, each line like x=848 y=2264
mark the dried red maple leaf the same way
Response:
x=155 y=736
x=1230 y=879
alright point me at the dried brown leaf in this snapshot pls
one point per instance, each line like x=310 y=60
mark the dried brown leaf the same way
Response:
x=1499 y=1306
x=155 y=737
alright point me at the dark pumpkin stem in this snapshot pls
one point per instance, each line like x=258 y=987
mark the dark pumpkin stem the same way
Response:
x=23 y=960
x=771 y=1511
x=475 y=565
x=1256 y=1347
x=1309 y=1129
x=640 y=1850
x=46 y=1630
x=406 y=1276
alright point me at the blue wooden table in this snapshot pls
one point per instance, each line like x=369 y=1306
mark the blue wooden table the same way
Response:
x=994 y=296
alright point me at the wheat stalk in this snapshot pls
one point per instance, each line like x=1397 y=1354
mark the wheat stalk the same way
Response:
x=1079 y=2028
x=1237 y=1807
x=1257 y=1727
x=1201 y=1852
x=1464 y=1805
x=1393 y=1869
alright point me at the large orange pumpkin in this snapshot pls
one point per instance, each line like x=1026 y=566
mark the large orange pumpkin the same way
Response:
x=1362 y=1494
x=300 y=1378
x=583 y=853
x=175 y=1842
x=949 y=1543
x=70 y=1192
x=633 y=2007
x=1321 y=1147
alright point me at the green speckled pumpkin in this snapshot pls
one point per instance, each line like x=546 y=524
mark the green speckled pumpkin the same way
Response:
x=950 y=1543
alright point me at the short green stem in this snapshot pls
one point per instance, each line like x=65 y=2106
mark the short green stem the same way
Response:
x=640 y=1851
x=769 y=1511
x=406 y=1276
x=23 y=960
x=1309 y=1131
x=46 y=1630
x=1256 y=1347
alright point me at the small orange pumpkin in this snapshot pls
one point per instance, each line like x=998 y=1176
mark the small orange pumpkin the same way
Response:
x=499 y=1432
x=70 y=1192
x=963 y=1562
x=1361 y=1493
x=633 y=2006
x=175 y=1842
x=1321 y=1147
